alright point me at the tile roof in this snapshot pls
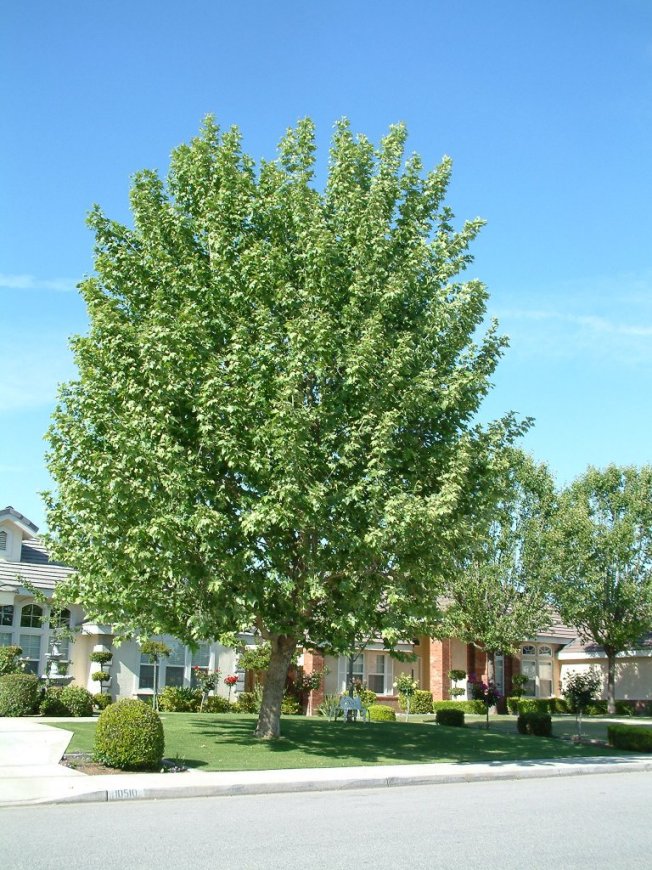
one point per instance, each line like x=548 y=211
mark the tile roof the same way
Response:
x=10 y=511
x=590 y=646
x=34 y=566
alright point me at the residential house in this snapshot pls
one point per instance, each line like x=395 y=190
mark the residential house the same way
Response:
x=545 y=659
x=24 y=622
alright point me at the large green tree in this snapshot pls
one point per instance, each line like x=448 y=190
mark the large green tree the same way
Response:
x=600 y=551
x=273 y=423
x=500 y=595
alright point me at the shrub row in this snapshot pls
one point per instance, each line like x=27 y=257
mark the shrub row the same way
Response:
x=539 y=724
x=465 y=706
x=636 y=738
x=19 y=694
x=420 y=702
x=561 y=705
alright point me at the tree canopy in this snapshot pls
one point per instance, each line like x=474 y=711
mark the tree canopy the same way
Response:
x=500 y=595
x=274 y=420
x=600 y=551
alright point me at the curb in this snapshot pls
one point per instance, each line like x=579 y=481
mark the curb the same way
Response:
x=344 y=783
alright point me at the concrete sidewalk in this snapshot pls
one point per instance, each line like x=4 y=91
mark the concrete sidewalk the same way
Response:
x=30 y=773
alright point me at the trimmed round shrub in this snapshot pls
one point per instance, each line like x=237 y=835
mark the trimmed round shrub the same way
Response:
x=179 y=699
x=218 y=704
x=129 y=736
x=77 y=700
x=381 y=713
x=19 y=694
x=51 y=704
x=451 y=718
x=420 y=702
x=101 y=657
x=102 y=701
x=538 y=724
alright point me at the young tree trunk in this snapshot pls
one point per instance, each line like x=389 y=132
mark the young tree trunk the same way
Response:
x=269 y=718
x=611 y=681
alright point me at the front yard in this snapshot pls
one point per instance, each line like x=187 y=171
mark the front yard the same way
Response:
x=226 y=742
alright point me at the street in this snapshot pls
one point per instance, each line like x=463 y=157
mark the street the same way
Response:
x=600 y=821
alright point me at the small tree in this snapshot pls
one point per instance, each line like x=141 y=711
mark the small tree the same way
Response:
x=580 y=689
x=499 y=597
x=406 y=687
x=155 y=650
x=485 y=692
x=455 y=675
x=600 y=559
x=206 y=682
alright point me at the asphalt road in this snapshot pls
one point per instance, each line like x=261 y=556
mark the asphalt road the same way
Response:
x=601 y=821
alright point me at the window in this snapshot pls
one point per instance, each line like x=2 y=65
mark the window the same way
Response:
x=31 y=647
x=5 y=638
x=376 y=676
x=31 y=616
x=343 y=670
x=7 y=614
x=175 y=669
x=3 y=540
x=146 y=675
x=200 y=659
x=173 y=672
x=536 y=664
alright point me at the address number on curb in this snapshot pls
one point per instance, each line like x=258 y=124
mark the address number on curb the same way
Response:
x=125 y=794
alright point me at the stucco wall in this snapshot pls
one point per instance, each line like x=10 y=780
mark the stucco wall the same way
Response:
x=633 y=676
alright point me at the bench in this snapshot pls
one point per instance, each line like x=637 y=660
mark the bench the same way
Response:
x=354 y=706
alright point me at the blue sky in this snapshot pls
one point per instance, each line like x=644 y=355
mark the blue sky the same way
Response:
x=546 y=109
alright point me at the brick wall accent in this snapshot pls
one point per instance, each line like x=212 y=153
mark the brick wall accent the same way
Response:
x=476 y=662
x=314 y=661
x=439 y=666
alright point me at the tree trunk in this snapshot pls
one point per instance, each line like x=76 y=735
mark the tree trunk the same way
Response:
x=491 y=666
x=269 y=718
x=611 y=682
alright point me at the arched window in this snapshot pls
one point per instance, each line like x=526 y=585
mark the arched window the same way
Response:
x=3 y=540
x=31 y=616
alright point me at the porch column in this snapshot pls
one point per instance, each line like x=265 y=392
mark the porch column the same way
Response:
x=440 y=665
x=314 y=661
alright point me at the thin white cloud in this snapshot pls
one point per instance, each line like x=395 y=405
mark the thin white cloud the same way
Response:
x=30 y=282
x=33 y=366
x=590 y=321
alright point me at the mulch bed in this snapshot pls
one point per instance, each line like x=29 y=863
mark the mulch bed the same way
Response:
x=83 y=762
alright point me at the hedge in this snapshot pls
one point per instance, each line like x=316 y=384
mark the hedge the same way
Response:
x=19 y=694
x=477 y=707
x=637 y=738
x=452 y=718
x=420 y=702
x=381 y=713
x=538 y=724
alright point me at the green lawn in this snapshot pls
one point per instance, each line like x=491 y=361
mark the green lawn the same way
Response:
x=225 y=742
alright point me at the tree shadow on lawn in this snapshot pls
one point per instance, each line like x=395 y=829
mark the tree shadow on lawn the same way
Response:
x=334 y=744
